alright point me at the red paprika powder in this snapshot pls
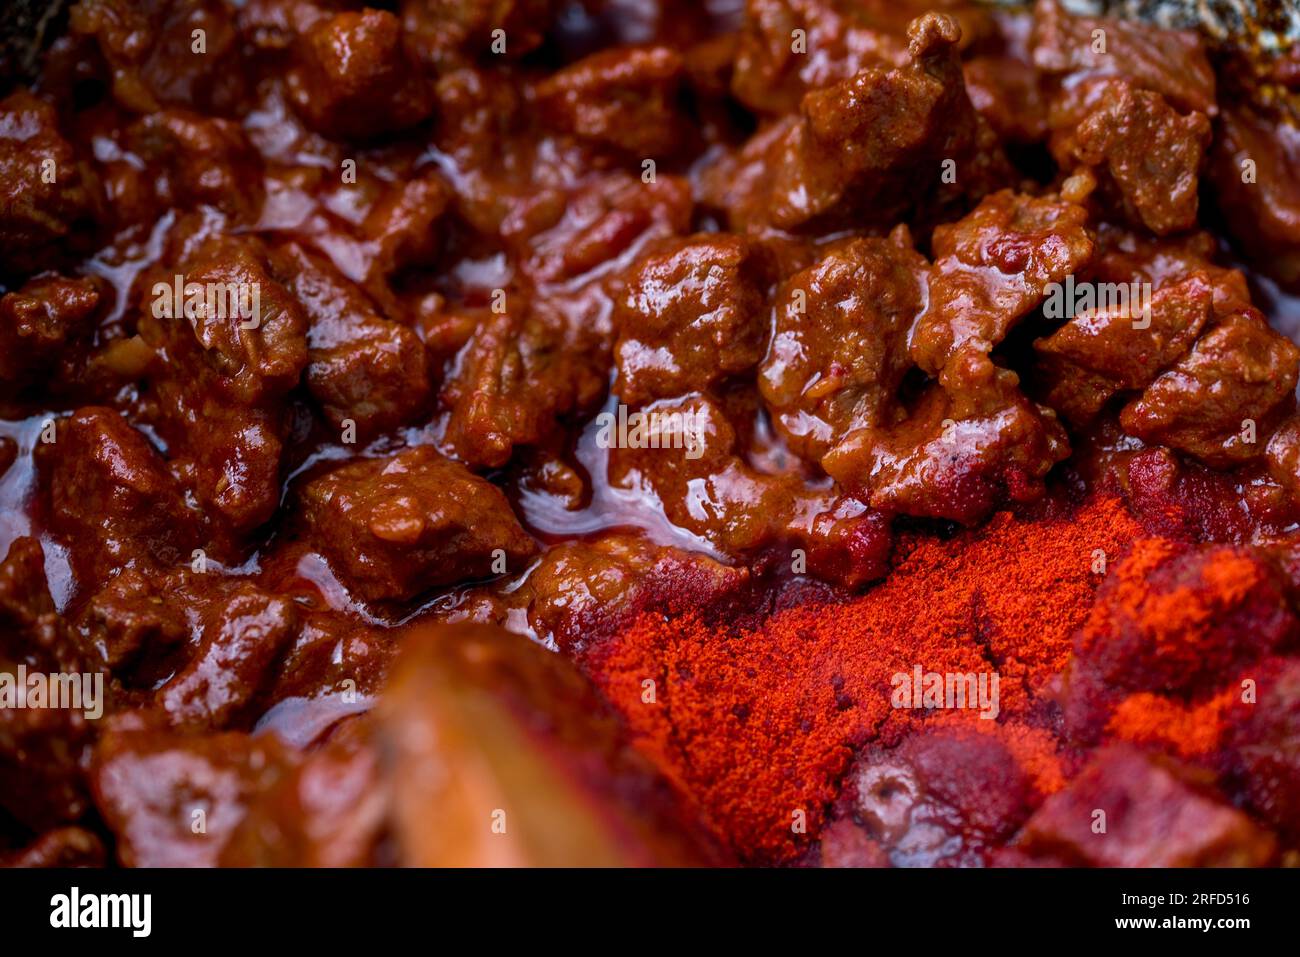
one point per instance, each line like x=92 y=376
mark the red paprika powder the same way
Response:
x=760 y=724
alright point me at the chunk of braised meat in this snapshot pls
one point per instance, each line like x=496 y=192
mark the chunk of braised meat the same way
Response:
x=173 y=799
x=1152 y=154
x=971 y=441
x=61 y=847
x=1126 y=256
x=839 y=342
x=45 y=328
x=233 y=463
x=1156 y=815
x=578 y=584
x=151 y=52
x=1172 y=63
x=220 y=376
x=42 y=749
x=694 y=313
x=625 y=98
x=557 y=215
x=1176 y=497
x=491 y=729
x=1219 y=401
x=1264 y=751
x=111 y=496
x=871 y=146
x=994 y=267
x=135 y=614
x=352 y=77
x=516 y=375
x=1201 y=614
x=360 y=366
x=404 y=228
x=1283 y=456
x=332 y=657
x=1255 y=168
x=1002 y=82
x=1115 y=348
x=242 y=637
x=274 y=25
x=600 y=224
x=943 y=798
x=34 y=634
x=49 y=198
x=685 y=453
x=776 y=66
x=396 y=526
x=444 y=32
x=1005 y=92
x=579 y=590
x=194 y=160
x=846 y=543
x=477 y=117
x=329 y=811
x=243 y=337
x=194 y=648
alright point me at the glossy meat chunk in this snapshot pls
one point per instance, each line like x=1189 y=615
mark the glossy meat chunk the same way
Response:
x=242 y=637
x=360 y=366
x=42 y=749
x=1153 y=156
x=692 y=315
x=623 y=99
x=1218 y=400
x=857 y=145
x=244 y=335
x=203 y=160
x=150 y=49
x=223 y=364
x=1107 y=350
x=772 y=73
x=45 y=326
x=994 y=266
x=839 y=342
x=579 y=590
x=445 y=30
x=690 y=462
x=1255 y=165
x=513 y=378
x=353 y=77
x=1172 y=63
x=131 y=618
x=971 y=440
x=173 y=799
x=112 y=495
x=396 y=526
x=404 y=227
x=48 y=196
x=328 y=811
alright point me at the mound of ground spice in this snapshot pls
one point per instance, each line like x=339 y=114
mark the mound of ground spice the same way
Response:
x=1187 y=730
x=760 y=724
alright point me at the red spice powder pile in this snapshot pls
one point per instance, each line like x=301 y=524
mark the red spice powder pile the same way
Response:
x=1171 y=637
x=759 y=724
